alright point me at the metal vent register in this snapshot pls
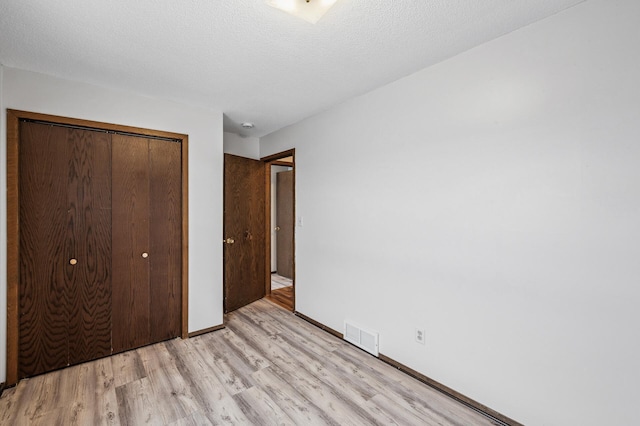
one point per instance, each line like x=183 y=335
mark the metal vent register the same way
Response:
x=362 y=338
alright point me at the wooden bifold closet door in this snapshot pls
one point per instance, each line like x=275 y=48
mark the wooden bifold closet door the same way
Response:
x=146 y=241
x=65 y=247
x=100 y=244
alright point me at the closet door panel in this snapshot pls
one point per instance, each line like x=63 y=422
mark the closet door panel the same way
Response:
x=130 y=241
x=89 y=214
x=165 y=238
x=44 y=263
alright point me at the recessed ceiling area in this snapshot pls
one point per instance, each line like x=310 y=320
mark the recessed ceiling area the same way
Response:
x=246 y=58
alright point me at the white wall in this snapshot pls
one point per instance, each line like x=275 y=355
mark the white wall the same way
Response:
x=494 y=200
x=49 y=95
x=243 y=147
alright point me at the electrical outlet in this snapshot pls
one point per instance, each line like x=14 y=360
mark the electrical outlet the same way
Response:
x=420 y=336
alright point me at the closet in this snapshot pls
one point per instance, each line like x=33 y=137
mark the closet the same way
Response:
x=100 y=238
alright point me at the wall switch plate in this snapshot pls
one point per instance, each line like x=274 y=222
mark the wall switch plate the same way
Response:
x=299 y=221
x=420 y=338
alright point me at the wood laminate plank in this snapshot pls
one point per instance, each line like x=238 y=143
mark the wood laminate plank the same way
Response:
x=80 y=410
x=398 y=413
x=135 y=405
x=50 y=406
x=226 y=372
x=168 y=386
x=127 y=367
x=194 y=419
x=153 y=358
x=227 y=412
x=282 y=297
x=203 y=382
x=322 y=388
x=282 y=319
x=258 y=406
x=266 y=367
x=270 y=344
x=335 y=383
x=302 y=356
x=49 y=394
x=11 y=402
x=309 y=375
x=238 y=363
x=243 y=351
x=215 y=402
x=106 y=406
x=167 y=383
x=307 y=352
x=300 y=409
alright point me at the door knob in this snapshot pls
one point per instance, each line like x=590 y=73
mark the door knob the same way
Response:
x=73 y=261
x=145 y=255
x=277 y=228
x=229 y=241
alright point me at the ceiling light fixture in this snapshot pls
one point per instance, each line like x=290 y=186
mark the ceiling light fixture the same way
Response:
x=247 y=125
x=309 y=10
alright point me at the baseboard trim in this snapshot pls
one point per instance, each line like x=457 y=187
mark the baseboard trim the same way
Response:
x=319 y=325
x=206 y=330
x=474 y=405
x=471 y=403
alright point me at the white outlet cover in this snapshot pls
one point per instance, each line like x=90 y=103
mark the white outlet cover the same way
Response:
x=420 y=337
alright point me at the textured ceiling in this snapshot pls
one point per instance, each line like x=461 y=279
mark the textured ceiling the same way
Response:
x=251 y=61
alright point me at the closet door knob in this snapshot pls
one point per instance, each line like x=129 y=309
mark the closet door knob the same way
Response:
x=73 y=261
x=145 y=255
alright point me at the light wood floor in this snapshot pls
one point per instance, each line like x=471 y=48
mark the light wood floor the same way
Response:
x=278 y=281
x=281 y=291
x=267 y=367
x=283 y=297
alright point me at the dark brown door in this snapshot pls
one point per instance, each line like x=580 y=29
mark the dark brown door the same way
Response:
x=165 y=238
x=244 y=231
x=284 y=223
x=90 y=297
x=130 y=219
x=146 y=241
x=65 y=246
x=100 y=244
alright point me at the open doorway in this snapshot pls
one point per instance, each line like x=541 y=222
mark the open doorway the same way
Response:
x=280 y=176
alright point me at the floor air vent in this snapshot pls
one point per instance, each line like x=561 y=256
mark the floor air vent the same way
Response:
x=364 y=339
